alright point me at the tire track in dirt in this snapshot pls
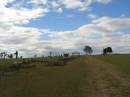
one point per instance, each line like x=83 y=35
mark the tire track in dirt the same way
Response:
x=103 y=80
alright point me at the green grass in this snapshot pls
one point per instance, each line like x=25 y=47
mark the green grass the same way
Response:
x=5 y=63
x=121 y=61
x=45 y=81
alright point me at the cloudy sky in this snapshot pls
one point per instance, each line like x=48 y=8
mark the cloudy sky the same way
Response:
x=39 y=26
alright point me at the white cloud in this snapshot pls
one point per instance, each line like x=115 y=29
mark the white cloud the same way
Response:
x=92 y=16
x=21 y=15
x=73 y=4
x=70 y=16
x=113 y=23
x=5 y=2
x=39 y=1
x=82 y=5
x=101 y=32
x=95 y=34
x=104 y=1
x=18 y=13
x=59 y=10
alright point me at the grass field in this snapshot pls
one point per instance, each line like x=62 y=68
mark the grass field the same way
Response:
x=121 y=62
x=89 y=76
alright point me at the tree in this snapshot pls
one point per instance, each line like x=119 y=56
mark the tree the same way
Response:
x=16 y=53
x=10 y=56
x=4 y=54
x=88 y=50
x=107 y=50
x=1 y=55
x=104 y=51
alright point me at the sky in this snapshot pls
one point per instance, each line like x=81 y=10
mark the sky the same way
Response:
x=40 y=26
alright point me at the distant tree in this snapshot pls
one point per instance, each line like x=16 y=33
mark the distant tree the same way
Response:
x=88 y=50
x=16 y=54
x=10 y=56
x=104 y=51
x=1 y=55
x=107 y=50
x=4 y=54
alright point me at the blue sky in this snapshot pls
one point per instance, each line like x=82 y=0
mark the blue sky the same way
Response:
x=71 y=19
x=40 y=26
x=68 y=20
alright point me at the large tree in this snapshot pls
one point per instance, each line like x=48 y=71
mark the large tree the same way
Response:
x=88 y=50
x=107 y=50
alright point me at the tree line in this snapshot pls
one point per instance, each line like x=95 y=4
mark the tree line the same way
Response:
x=88 y=50
x=4 y=54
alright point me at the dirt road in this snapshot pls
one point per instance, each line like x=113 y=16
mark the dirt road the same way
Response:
x=104 y=81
